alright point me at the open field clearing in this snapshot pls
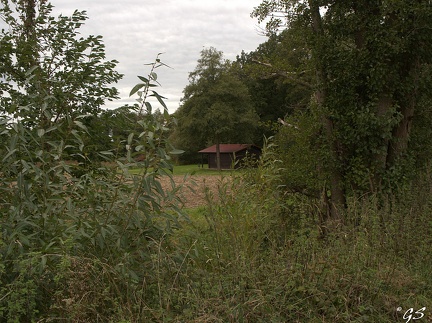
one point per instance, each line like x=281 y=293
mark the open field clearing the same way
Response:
x=194 y=188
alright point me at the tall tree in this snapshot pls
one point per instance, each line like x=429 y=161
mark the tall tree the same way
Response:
x=370 y=60
x=216 y=106
x=45 y=63
x=278 y=78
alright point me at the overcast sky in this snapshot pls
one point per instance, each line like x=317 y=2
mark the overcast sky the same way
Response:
x=134 y=32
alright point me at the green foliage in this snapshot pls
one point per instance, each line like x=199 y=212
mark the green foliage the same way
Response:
x=302 y=149
x=20 y=296
x=278 y=77
x=77 y=242
x=44 y=58
x=216 y=108
x=370 y=84
x=96 y=241
x=259 y=257
x=109 y=130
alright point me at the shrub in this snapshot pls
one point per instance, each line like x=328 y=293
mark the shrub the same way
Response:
x=80 y=244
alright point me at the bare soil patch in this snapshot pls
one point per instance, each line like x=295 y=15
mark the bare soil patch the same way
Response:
x=193 y=191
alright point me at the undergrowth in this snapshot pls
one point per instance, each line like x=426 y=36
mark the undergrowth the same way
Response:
x=254 y=254
x=260 y=257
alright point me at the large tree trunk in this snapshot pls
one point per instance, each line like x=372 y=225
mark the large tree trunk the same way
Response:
x=379 y=160
x=401 y=133
x=337 y=200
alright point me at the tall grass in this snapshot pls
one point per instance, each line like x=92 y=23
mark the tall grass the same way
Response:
x=259 y=257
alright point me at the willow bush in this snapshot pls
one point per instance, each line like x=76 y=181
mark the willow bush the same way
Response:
x=79 y=245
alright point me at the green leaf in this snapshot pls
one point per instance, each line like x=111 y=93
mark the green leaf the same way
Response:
x=40 y=132
x=130 y=137
x=136 y=88
x=43 y=261
x=31 y=70
x=9 y=154
x=81 y=125
x=160 y=99
x=176 y=152
x=142 y=78
x=149 y=107
x=109 y=153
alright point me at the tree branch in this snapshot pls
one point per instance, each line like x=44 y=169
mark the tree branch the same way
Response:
x=286 y=124
x=292 y=76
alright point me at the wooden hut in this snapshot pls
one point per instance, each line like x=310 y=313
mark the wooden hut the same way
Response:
x=230 y=154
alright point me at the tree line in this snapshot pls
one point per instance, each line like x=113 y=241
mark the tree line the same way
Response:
x=353 y=79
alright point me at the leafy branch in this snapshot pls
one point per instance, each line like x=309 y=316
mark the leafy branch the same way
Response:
x=142 y=89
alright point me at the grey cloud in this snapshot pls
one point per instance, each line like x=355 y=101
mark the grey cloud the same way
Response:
x=135 y=31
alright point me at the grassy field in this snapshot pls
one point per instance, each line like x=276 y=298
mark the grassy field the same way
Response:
x=196 y=170
x=193 y=170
